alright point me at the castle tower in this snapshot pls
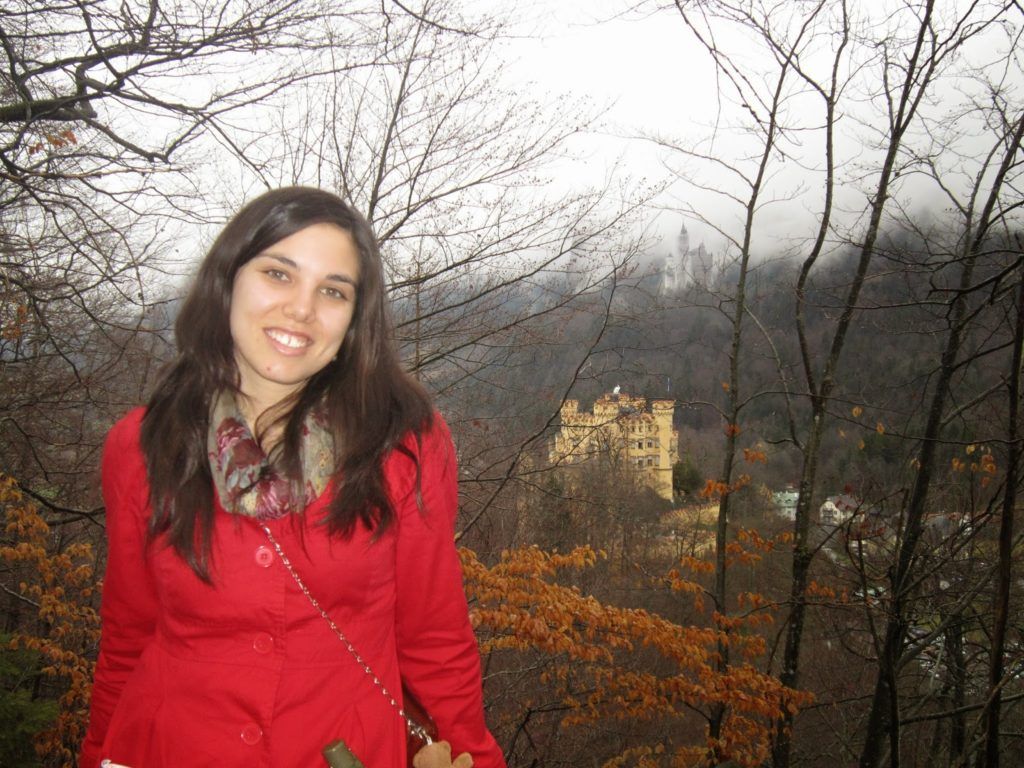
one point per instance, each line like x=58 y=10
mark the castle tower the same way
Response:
x=682 y=243
x=674 y=273
x=621 y=429
x=663 y=410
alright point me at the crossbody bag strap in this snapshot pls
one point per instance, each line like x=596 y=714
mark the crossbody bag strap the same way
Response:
x=415 y=728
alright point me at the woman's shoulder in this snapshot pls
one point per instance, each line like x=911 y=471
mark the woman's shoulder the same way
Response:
x=122 y=451
x=426 y=445
x=123 y=467
x=422 y=473
x=431 y=437
x=126 y=431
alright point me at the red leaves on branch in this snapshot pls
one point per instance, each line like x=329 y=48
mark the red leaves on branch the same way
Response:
x=714 y=489
x=59 y=140
x=13 y=328
x=984 y=467
x=752 y=455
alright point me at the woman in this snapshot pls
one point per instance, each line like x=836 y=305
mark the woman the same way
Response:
x=286 y=407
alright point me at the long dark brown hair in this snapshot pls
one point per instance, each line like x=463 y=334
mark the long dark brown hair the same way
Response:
x=370 y=402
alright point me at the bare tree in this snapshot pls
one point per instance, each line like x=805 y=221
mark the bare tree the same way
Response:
x=895 y=65
x=490 y=257
x=104 y=110
x=984 y=209
x=767 y=101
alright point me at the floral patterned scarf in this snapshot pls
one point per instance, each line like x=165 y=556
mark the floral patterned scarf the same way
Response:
x=248 y=481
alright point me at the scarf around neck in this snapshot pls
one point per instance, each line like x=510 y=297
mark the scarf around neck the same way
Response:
x=251 y=483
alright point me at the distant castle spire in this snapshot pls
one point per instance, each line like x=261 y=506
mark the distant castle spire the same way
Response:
x=682 y=242
x=675 y=267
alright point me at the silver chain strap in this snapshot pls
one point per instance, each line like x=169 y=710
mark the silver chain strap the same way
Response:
x=416 y=729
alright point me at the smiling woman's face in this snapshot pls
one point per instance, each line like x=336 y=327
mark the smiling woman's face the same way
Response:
x=291 y=306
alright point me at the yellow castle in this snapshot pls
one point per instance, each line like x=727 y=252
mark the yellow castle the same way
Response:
x=622 y=430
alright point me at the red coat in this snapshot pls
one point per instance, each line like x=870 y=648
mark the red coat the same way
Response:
x=244 y=672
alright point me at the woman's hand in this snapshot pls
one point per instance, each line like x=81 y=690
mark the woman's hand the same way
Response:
x=439 y=755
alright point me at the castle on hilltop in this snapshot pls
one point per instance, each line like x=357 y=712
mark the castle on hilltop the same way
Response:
x=622 y=430
x=681 y=264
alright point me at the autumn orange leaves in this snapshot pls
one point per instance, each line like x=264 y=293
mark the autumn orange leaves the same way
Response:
x=57 y=585
x=607 y=662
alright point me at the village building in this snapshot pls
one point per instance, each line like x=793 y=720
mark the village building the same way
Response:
x=785 y=502
x=620 y=429
x=837 y=510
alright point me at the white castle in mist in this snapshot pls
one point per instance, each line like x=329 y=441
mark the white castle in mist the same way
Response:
x=681 y=264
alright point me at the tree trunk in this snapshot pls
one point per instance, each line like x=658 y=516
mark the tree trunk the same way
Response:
x=883 y=720
x=992 y=711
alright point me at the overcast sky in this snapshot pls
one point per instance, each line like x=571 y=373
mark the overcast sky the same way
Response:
x=634 y=69
x=654 y=79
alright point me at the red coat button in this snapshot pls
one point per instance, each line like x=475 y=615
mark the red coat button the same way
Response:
x=251 y=734
x=264 y=556
x=263 y=643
